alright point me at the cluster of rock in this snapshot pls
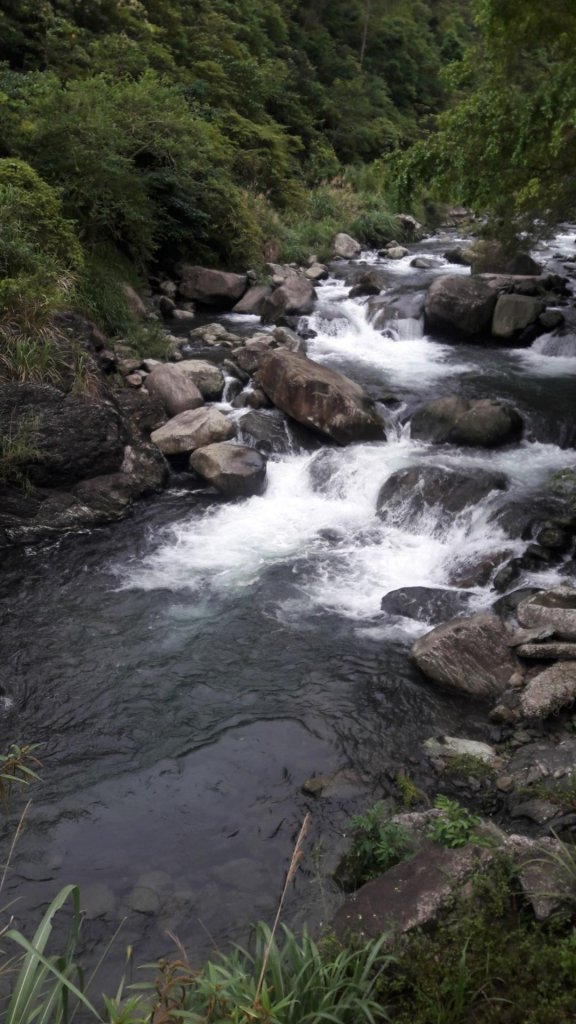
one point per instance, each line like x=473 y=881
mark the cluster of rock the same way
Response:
x=498 y=657
x=506 y=308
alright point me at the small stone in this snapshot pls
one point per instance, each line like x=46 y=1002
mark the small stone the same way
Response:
x=504 y=783
x=134 y=380
x=144 y=900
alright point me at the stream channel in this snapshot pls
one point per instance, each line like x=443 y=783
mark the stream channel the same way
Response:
x=188 y=669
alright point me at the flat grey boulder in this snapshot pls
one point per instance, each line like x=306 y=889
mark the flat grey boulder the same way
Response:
x=550 y=691
x=234 y=470
x=411 y=894
x=470 y=655
x=212 y=287
x=205 y=376
x=345 y=247
x=513 y=314
x=554 y=609
x=411 y=492
x=296 y=297
x=177 y=392
x=193 y=429
x=318 y=397
x=482 y=423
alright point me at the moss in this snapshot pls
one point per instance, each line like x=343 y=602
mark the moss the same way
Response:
x=469 y=766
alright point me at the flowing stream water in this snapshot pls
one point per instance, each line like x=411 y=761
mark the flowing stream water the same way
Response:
x=187 y=670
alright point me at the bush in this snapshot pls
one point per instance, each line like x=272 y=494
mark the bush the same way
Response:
x=39 y=250
x=377 y=845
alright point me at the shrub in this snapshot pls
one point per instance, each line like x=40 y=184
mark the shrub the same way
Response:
x=377 y=845
x=455 y=826
x=39 y=250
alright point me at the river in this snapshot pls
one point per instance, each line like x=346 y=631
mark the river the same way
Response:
x=187 y=670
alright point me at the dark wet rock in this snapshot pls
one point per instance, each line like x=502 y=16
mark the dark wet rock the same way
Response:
x=193 y=429
x=296 y=297
x=493 y=259
x=412 y=894
x=145 y=412
x=252 y=302
x=177 y=391
x=345 y=247
x=212 y=287
x=536 y=762
x=340 y=785
x=484 y=422
x=73 y=435
x=555 y=609
x=477 y=572
x=513 y=314
x=470 y=655
x=550 y=319
x=426 y=604
x=369 y=283
x=410 y=492
x=319 y=398
x=234 y=470
x=384 y=310
x=550 y=691
x=266 y=431
x=462 y=305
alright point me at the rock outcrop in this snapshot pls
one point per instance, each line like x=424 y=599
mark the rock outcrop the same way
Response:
x=469 y=655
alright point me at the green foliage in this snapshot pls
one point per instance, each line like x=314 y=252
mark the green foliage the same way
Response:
x=455 y=826
x=410 y=793
x=507 y=145
x=303 y=984
x=469 y=766
x=17 y=768
x=377 y=844
x=488 y=961
x=18 y=449
x=39 y=250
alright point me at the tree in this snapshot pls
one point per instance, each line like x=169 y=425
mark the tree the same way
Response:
x=507 y=146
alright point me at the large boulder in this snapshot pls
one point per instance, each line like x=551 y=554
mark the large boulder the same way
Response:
x=412 y=491
x=177 y=391
x=344 y=247
x=68 y=435
x=193 y=429
x=469 y=655
x=212 y=287
x=427 y=604
x=554 y=609
x=412 y=894
x=513 y=314
x=318 y=397
x=205 y=376
x=456 y=304
x=483 y=423
x=296 y=297
x=234 y=470
x=251 y=303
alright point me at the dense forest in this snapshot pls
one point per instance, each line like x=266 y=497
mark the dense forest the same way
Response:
x=139 y=132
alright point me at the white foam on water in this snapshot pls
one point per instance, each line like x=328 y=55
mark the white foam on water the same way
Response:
x=348 y=337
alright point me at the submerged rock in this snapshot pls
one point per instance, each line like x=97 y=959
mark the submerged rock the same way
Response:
x=410 y=492
x=426 y=604
x=469 y=655
x=483 y=423
x=319 y=398
x=234 y=470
